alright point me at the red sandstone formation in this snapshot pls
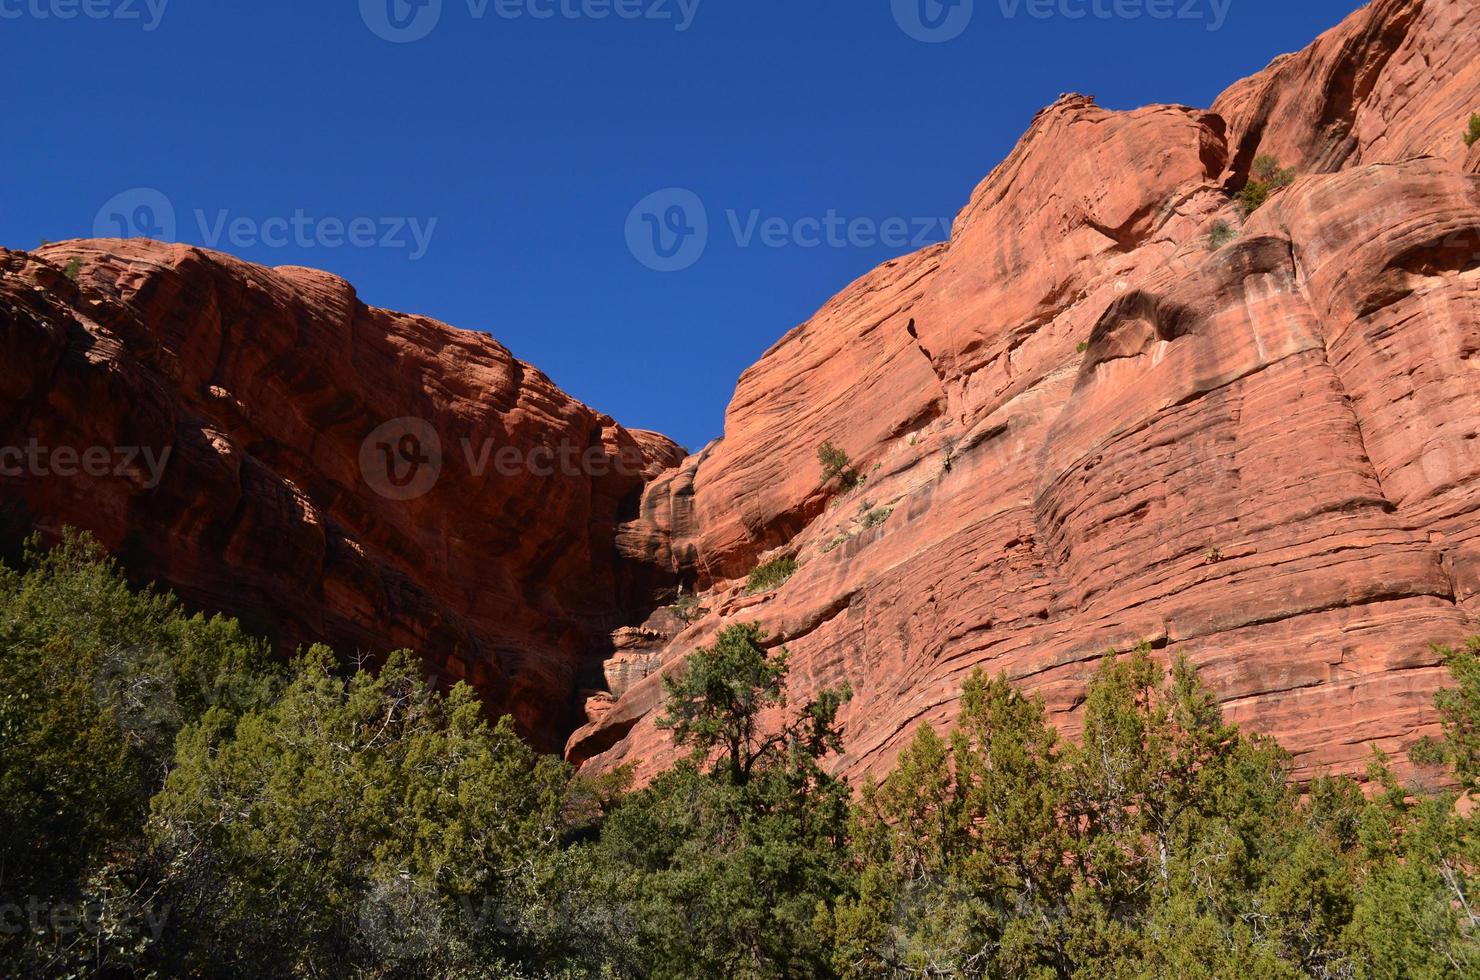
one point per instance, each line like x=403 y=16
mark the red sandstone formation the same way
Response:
x=1089 y=429
x=1079 y=426
x=265 y=385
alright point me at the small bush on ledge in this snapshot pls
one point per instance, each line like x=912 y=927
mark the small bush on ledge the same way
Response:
x=1265 y=177
x=834 y=542
x=1220 y=234
x=771 y=575
x=1473 y=136
x=688 y=608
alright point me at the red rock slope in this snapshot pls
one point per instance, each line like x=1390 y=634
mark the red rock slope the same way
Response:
x=1081 y=427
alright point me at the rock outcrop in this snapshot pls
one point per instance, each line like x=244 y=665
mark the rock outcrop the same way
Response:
x=487 y=543
x=1078 y=425
x=1083 y=427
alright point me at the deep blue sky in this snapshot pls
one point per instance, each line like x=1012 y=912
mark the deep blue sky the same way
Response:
x=530 y=141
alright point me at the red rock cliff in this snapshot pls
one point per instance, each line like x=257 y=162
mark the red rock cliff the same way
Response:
x=276 y=393
x=1082 y=427
x=1079 y=427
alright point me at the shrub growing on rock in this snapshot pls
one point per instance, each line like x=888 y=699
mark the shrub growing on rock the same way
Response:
x=833 y=460
x=837 y=466
x=688 y=608
x=771 y=575
x=1220 y=234
x=1265 y=178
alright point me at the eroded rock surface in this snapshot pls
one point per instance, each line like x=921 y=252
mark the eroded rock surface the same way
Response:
x=275 y=393
x=1088 y=428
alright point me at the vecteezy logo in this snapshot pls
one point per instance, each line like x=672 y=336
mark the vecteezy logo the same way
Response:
x=402 y=459
x=401 y=21
x=933 y=21
x=668 y=230
x=139 y=213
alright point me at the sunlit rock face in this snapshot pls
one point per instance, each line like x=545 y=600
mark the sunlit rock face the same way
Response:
x=1090 y=429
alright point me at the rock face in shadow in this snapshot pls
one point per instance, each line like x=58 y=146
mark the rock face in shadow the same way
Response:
x=277 y=395
x=1081 y=427
x=1077 y=425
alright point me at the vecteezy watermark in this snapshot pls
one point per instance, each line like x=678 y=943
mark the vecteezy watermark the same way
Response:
x=144 y=212
x=148 y=13
x=140 y=212
x=832 y=230
x=404 y=21
x=668 y=230
x=401 y=21
x=937 y=21
x=933 y=21
x=40 y=917
x=400 y=919
x=1214 y=12
x=403 y=459
x=143 y=464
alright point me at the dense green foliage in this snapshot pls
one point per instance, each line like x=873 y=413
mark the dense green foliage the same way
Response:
x=1164 y=843
x=356 y=821
x=96 y=682
x=1472 y=136
x=722 y=862
x=173 y=804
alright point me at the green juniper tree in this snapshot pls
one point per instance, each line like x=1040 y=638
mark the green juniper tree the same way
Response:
x=720 y=864
x=1416 y=913
x=1163 y=842
x=837 y=466
x=367 y=820
x=96 y=681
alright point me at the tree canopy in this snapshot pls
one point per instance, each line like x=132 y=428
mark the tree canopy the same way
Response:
x=175 y=802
